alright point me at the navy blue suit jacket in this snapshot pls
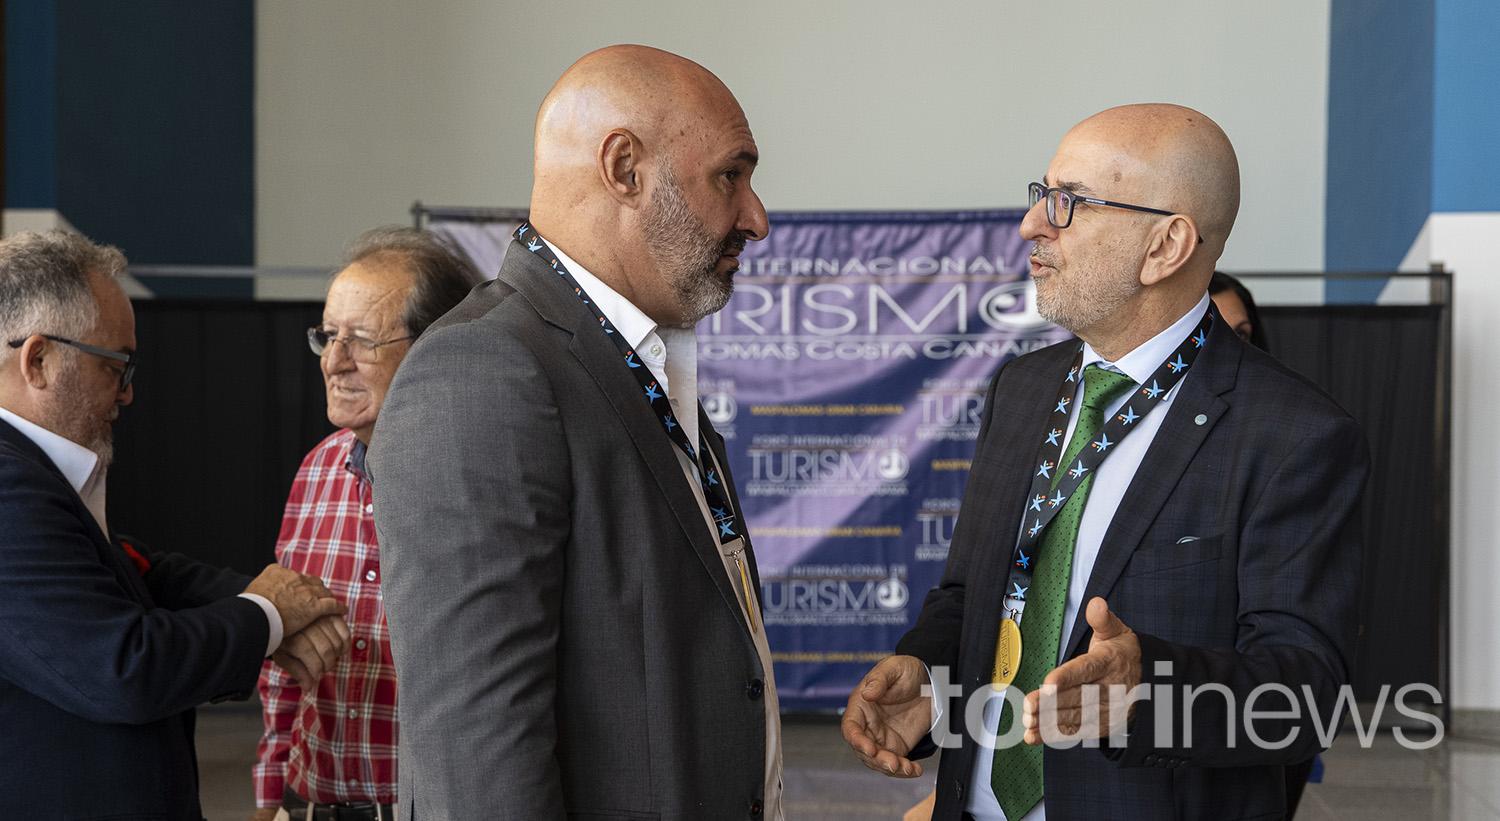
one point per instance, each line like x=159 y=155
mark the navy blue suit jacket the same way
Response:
x=101 y=666
x=1235 y=555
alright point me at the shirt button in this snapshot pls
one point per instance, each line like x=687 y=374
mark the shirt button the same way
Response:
x=370 y=576
x=354 y=782
x=656 y=350
x=359 y=645
x=369 y=508
x=353 y=714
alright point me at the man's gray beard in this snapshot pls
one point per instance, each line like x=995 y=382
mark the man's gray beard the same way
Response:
x=686 y=253
x=61 y=419
x=1077 y=310
x=105 y=448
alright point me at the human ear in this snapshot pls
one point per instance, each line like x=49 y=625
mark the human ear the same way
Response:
x=34 y=355
x=619 y=159
x=1172 y=244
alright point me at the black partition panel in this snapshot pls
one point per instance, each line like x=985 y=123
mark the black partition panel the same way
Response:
x=1387 y=366
x=228 y=399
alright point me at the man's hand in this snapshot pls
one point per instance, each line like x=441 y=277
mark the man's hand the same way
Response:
x=264 y=814
x=887 y=715
x=1066 y=707
x=309 y=654
x=299 y=599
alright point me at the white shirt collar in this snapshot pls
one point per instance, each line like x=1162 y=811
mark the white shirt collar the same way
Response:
x=76 y=462
x=670 y=353
x=630 y=321
x=1140 y=363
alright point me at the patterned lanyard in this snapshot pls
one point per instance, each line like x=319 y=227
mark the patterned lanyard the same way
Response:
x=708 y=478
x=1040 y=507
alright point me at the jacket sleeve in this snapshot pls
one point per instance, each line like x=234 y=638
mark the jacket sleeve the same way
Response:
x=1299 y=566
x=177 y=582
x=75 y=636
x=472 y=488
x=935 y=637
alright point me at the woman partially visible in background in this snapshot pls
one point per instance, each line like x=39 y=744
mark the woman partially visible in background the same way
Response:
x=1237 y=308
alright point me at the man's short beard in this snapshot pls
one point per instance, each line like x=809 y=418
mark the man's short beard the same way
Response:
x=62 y=418
x=1078 y=306
x=687 y=254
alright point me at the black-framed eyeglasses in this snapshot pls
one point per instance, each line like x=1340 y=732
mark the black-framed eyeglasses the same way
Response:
x=1060 y=203
x=359 y=348
x=128 y=358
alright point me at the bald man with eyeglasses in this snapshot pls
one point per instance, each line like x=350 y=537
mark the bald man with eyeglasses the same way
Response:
x=1156 y=511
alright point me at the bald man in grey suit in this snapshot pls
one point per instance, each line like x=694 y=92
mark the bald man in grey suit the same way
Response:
x=571 y=595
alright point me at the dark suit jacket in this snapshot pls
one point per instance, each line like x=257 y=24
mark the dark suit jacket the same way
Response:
x=566 y=638
x=100 y=666
x=1235 y=555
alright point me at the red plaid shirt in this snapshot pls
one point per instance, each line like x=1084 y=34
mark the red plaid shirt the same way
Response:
x=338 y=744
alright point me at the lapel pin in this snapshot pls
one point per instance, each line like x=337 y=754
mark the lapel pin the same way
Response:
x=1200 y=419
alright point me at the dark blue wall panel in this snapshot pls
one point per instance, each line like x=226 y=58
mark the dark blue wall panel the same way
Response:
x=30 y=78
x=1380 y=136
x=155 y=127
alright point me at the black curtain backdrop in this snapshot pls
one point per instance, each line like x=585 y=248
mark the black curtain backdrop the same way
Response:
x=228 y=399
x=1382 y=363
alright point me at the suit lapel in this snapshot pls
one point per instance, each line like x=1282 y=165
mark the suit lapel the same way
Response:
x=995 y=497
x=556 y=303
x=1022 y=436
x=111 y=555
x=1175 y=445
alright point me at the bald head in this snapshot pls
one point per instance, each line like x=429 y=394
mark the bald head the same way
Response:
x=649 y=92
x=1173 y=158
x=643 y=159
x=1155 y=192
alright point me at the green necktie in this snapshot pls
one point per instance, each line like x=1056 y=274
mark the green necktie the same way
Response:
x=1017 y=773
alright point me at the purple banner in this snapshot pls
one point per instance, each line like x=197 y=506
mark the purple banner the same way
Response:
x=848 y=375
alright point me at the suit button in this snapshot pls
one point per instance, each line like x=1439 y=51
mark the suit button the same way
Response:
x=755 y=808
x=1150 y=760
x=958 y=789
x=754 y=688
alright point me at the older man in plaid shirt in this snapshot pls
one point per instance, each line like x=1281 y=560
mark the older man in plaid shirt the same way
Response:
x=332 y=753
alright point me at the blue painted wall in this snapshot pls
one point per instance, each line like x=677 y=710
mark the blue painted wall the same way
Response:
x=146 y=138
x=1466 y=116
x=1380 y=136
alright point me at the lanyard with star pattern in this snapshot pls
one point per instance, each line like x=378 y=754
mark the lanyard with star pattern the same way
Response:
x=1042 y=508
x=708 y=476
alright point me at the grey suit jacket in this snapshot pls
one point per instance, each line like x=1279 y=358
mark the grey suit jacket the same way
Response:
x=1235 y=555
x=566 y=639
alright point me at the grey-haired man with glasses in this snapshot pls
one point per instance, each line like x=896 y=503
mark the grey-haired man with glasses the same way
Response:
x=108 y=646
x=331 y=747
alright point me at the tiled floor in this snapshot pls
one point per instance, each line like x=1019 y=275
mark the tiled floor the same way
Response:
x=1458 y=779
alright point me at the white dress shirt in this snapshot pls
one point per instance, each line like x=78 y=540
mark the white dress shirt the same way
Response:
x=85 y=473
x=1111 y=480
x=672 y=356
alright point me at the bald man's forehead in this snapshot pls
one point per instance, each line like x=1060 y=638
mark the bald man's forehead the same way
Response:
x=1096 y=164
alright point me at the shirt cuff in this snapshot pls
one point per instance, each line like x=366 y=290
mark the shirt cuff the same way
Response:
x=271 y=616
x=937 y=704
